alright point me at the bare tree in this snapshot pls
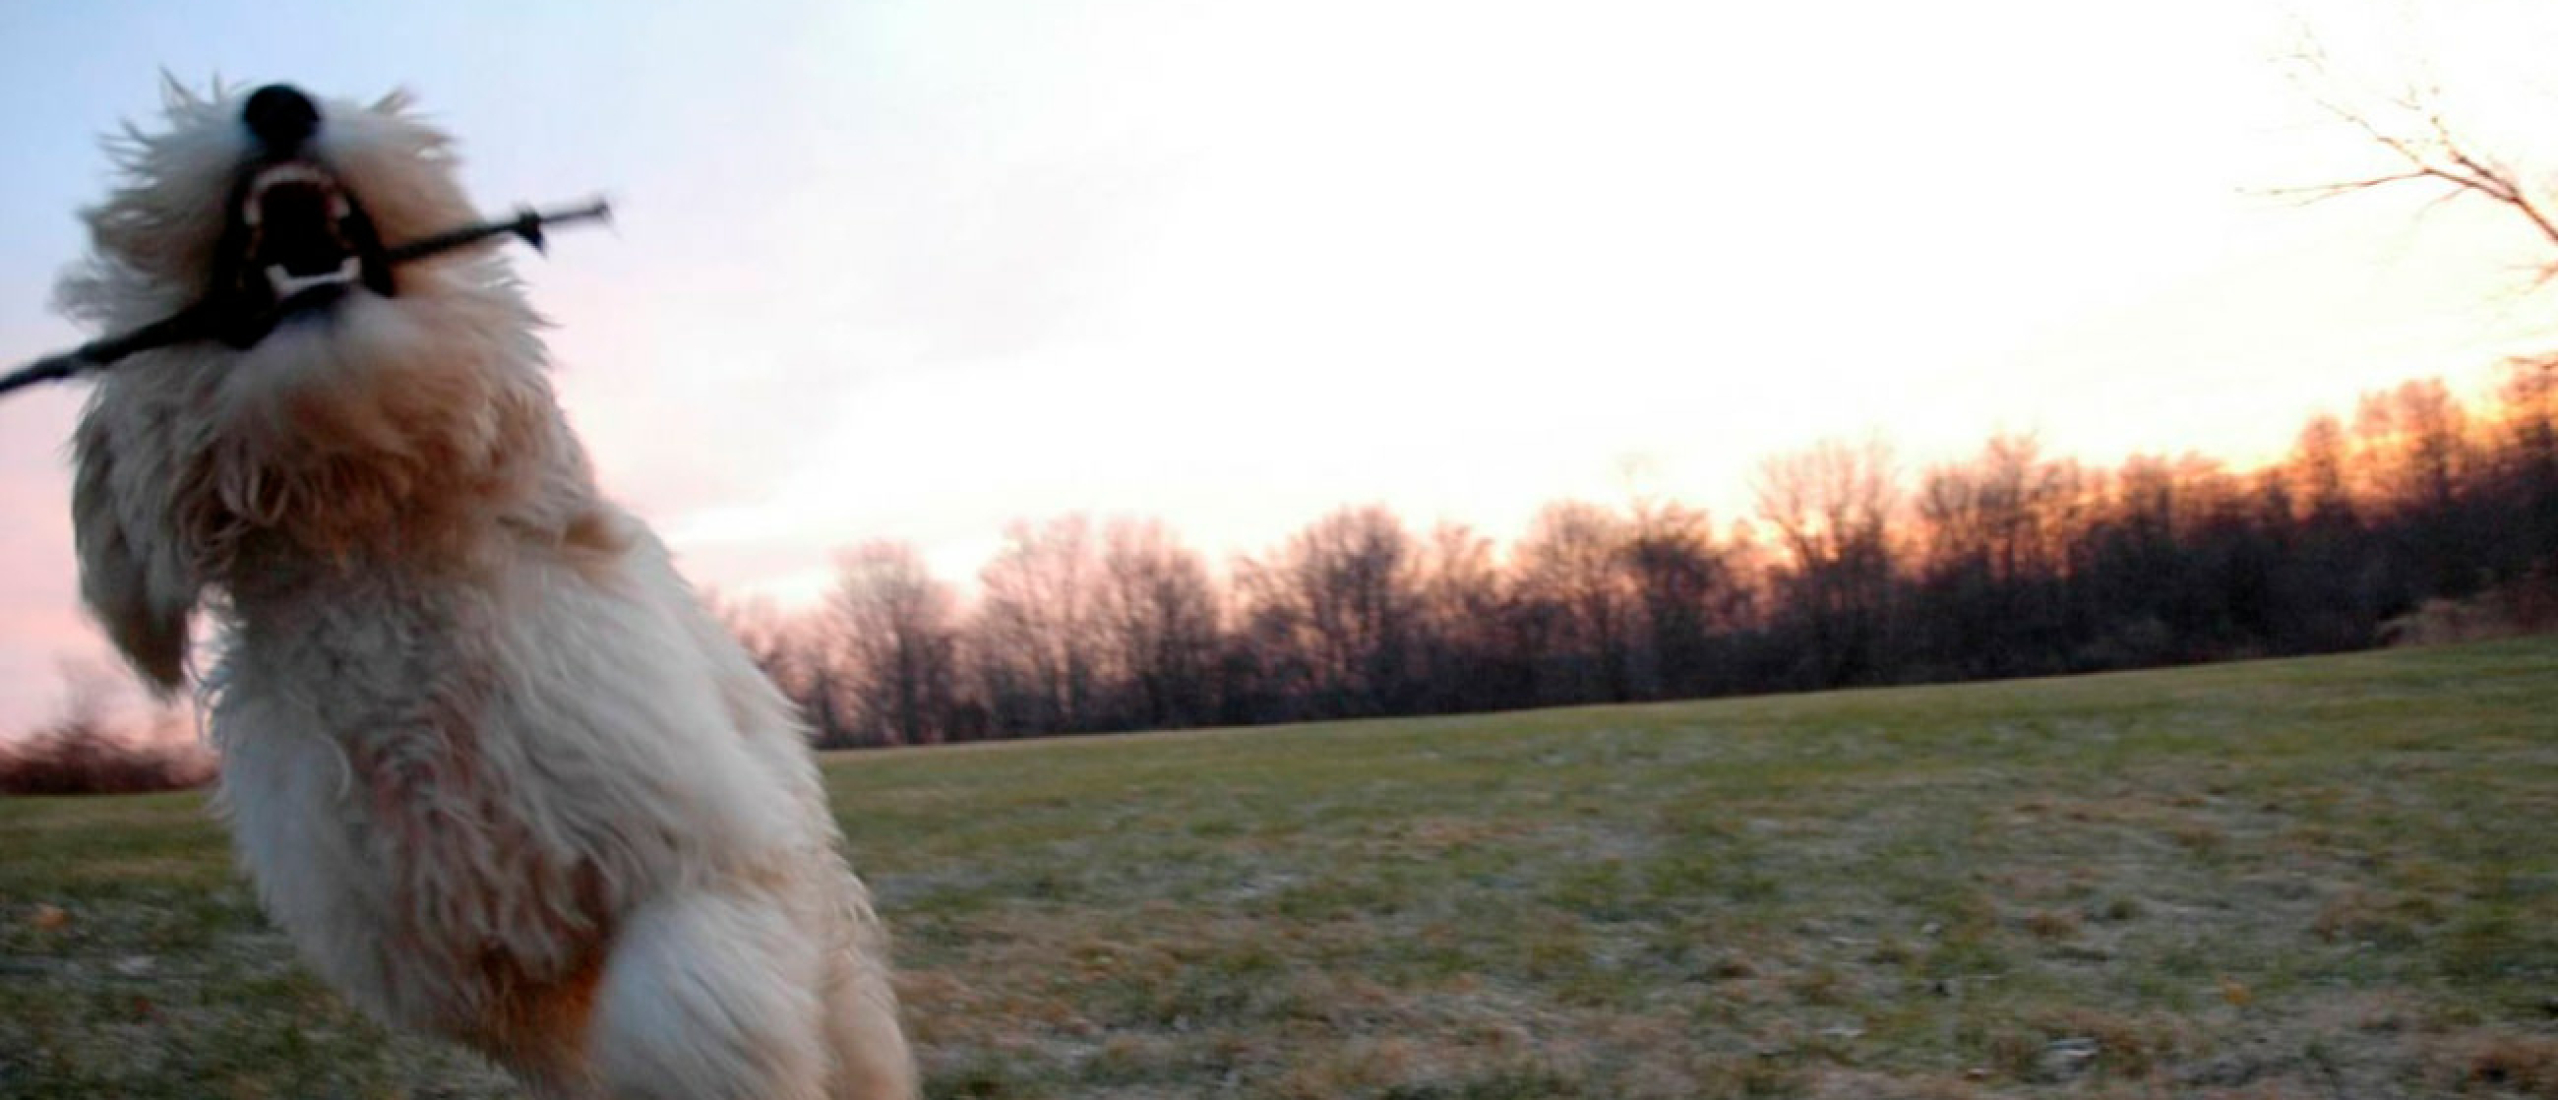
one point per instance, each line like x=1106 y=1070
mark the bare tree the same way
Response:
x=1573 y=566
x=2529 y=419
x=1035 y=634
x=2527 y=477
x=2415 y=454
x=2319 y=467
x=899 y=632
x=1831 y=507
x=1158 y=615
x=1464 y=652
x=1998 y=514
x=1684 y=589
x=1333 y=609
x=2417 y=445
x=2529 y=414
x=1993 y=552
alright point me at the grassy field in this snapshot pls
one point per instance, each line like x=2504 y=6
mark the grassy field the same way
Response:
x=2328 y=878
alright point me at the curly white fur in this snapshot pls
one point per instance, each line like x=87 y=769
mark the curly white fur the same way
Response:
x=485 y=755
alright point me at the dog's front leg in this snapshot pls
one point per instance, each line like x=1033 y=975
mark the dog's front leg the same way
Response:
x=134 y=572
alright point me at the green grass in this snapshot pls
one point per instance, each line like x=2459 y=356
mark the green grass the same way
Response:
x=2301 y=878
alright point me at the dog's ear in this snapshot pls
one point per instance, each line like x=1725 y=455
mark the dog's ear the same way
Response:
x=147 y=611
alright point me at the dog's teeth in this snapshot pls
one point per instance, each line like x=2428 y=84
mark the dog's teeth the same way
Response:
x=287 y=284
x=288 y=173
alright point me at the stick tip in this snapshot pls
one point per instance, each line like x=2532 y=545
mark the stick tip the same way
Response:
x=51 y=368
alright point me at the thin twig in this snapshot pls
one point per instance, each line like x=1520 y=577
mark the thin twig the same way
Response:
x=197 y=322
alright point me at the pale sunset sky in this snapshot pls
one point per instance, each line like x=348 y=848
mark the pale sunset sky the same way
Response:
x=911 y=269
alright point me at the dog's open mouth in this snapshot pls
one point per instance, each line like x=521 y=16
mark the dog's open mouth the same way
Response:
x=305 y=235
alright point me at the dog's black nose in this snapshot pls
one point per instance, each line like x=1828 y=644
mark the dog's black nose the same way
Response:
x=281 y=117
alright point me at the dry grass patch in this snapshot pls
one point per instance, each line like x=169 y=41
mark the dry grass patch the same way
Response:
x=2052 y=924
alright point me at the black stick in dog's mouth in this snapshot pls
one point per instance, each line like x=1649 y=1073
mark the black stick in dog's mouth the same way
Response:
x=300 y=269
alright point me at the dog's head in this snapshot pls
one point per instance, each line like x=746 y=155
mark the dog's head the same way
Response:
x=263 y=206
x=340 y=408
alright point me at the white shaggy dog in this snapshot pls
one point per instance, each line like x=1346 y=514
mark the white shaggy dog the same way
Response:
x=485 y=755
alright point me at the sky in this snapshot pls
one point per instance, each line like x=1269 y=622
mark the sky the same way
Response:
x=910 y=270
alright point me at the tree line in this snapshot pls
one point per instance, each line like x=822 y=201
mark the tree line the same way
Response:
x=1852 y=571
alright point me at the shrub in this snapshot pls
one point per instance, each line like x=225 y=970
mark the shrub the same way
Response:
x=85 y=757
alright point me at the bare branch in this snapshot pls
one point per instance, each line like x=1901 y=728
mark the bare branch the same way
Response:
x=2413 y=126
x=2320 y=192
